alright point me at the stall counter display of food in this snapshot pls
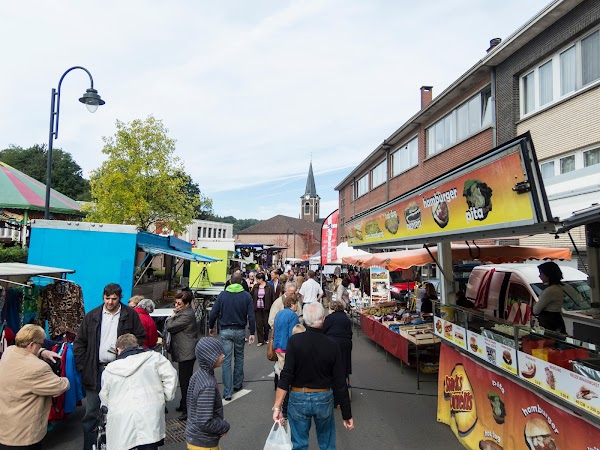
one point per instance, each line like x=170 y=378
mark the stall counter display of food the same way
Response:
x=535 y=356
x=404 y=335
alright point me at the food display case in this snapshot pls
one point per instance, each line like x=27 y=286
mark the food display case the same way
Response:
x=497 y=377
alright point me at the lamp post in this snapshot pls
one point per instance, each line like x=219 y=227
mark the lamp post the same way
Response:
x=288 y=238
x=90 y=99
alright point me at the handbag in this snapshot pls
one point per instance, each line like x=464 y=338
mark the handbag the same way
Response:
x=271 y=355
x=279 y=438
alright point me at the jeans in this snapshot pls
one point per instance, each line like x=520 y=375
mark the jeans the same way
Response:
x=318 y=406
x=90 y=419
x=233 y=345
x=37 y=446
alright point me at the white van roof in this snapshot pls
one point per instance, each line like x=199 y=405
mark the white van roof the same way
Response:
x=531 y=273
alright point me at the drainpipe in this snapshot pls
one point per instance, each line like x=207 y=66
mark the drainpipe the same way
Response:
x=493 y=105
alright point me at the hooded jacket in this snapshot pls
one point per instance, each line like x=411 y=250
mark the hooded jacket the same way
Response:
x=205 y=423
x=149 y=326
x=135 y=388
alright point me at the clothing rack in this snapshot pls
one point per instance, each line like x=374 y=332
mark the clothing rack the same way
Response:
x=54 y=278
x=14 y=282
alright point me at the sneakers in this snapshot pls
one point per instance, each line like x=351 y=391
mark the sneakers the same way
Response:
x=182 y=417
x=266 y=342
x=227 y=398
x=259 y=344
x=237 y=389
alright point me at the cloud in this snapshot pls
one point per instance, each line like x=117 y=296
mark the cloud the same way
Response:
x=251 y=91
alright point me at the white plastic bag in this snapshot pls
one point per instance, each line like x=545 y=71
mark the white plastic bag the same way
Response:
x=279 y=438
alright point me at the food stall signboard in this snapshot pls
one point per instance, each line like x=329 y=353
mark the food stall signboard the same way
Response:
x=498 y=191
x=380 y=285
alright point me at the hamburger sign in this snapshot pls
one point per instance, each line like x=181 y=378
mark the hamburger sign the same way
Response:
x=488 y=194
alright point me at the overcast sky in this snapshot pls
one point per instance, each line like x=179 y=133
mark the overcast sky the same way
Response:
x=250 y=90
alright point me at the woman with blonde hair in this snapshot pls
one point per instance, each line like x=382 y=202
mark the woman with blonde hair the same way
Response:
x=28 y=385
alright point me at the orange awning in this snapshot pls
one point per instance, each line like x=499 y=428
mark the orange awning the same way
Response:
x=490 y=253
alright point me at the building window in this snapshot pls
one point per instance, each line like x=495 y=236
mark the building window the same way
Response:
x=405 y=157
x=547 y=170
x=307 y=208
x=362 y=186
x=464 y=121
x=379 y=174
x=591 y=157
x=564 y=73
x=545 y=83
x=317 y=209
x=590 y=58
x=567 y=164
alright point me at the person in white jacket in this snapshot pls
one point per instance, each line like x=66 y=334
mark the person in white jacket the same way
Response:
x=135 y=388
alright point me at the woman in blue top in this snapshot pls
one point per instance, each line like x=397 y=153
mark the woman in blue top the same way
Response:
x=285 y=321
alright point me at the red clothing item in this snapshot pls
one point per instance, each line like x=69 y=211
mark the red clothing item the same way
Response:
x=149 y=326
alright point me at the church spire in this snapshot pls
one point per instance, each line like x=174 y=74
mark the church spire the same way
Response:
x=311 y=189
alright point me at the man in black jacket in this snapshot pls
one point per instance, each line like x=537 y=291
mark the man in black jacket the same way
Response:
x=94 y=348
x=314 y=375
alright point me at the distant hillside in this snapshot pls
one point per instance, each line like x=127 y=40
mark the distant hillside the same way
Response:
x=238 y=224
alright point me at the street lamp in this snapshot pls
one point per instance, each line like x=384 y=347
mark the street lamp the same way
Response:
x=90 y=99
x=288 y=238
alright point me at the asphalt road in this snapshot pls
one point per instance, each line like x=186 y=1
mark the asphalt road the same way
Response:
x=388 y=411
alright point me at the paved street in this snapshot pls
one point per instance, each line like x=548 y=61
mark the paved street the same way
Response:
x=388 y=411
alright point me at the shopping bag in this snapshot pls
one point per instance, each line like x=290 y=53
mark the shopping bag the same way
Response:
x=279 y=438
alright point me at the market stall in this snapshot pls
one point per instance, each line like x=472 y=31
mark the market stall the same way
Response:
x=498 y=383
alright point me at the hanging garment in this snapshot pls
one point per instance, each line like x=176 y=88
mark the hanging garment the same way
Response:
x=62 y=307
x=14 y=315
x=75 y=392
x=31 y=304
x=2 y=303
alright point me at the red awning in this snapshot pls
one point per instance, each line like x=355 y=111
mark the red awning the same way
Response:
x=490 y=253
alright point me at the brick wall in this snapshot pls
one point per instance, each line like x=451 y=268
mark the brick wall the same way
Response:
x=578 y=21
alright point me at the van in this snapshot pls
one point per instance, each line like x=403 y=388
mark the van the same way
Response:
x=505 y=284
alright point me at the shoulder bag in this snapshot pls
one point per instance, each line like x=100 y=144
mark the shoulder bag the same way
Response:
x=271 y=355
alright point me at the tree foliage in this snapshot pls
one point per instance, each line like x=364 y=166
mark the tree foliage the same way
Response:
x=66 y=173
x=13 y=254
x=238 y=224
x=141 y=183
x=204 y=206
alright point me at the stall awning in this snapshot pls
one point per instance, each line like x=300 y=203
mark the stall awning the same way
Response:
x=491 y=253
x=177 y=253
x=20 y=269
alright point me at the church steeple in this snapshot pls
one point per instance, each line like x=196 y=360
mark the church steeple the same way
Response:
x=311 y=189
x=309 y=202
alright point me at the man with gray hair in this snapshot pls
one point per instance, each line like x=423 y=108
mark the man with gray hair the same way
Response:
x=290 y=289
x=314 y=374
x=234 y=309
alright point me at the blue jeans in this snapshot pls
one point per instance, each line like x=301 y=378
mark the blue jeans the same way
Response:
x=318 y=406
x=233 y=345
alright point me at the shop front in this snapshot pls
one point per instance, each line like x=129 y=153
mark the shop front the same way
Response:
x=500 y=385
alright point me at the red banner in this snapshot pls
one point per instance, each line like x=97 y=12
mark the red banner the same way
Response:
x=329 y=238
x=487 y=410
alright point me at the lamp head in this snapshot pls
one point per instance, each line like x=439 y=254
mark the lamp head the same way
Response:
x=91 y=100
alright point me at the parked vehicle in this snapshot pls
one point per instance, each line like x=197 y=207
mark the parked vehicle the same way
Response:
x=505 y=284
x=401 y=283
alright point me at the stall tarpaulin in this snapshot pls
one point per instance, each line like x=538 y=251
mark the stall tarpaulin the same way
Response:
x=490 y=253
x=482 y=407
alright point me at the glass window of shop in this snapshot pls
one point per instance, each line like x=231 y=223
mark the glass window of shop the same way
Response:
x=547 y=169
x=405 y=157
x=379 y=174
x=461 y=123
x=591 y=157
x=564 y=73
x=567 y=164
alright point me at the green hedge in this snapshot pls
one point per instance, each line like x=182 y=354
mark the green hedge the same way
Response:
x=13 y=254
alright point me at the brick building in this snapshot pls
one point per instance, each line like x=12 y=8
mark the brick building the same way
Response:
x=497 y=99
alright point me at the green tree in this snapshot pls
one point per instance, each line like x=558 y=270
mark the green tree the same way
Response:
x=204 y=205
x=13 y=254
x=66 y=173
x=140 y=183
x=238 y=224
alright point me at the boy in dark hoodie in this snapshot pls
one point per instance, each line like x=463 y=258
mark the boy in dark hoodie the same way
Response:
x=205 y=423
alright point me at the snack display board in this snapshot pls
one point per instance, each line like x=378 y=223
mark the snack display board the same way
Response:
x=380 y=285
x=492 y=193
x=487 y=410
x=576 y=389
x=500 y=355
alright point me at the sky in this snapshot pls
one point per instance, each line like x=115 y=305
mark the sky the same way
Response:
x=252 y=91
